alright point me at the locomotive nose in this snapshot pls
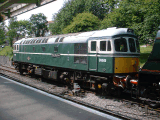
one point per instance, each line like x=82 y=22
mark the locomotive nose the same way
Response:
x=126 y=65
x=133 y=62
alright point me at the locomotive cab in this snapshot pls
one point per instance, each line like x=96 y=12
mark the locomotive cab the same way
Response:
x=120 y=51
x=126 y=51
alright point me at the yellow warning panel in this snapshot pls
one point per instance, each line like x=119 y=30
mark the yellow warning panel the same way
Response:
x=126 y=65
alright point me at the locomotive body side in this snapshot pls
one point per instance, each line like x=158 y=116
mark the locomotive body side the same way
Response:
x=53 y=54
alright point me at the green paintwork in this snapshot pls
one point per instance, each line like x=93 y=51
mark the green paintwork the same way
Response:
x=61 y=61
x=152 y=65
x=92 y=63
x=155 y=54
x=105 y=67
x=64 y=61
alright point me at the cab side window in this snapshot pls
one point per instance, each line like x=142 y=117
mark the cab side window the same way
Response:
x=80 y=48
x=56 y=49
x=109 y=46
x=93 y=45
x=14 y=47
x=17 y=47
x=105 y=45
x=102 y=45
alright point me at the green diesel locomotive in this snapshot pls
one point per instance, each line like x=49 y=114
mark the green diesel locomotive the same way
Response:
x=99 y=59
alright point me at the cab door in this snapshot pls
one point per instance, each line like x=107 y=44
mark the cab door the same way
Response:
x=92 y=56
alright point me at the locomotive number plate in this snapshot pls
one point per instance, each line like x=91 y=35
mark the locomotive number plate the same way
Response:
x=102 y=60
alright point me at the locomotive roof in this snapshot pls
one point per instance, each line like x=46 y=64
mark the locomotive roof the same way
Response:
x=78 y=37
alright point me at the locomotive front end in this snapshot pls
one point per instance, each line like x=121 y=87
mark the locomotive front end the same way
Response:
x=126 y=60
x=114 y=54
x=126 y=55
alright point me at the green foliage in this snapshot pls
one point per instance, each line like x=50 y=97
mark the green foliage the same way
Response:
x=1 y=18
x=24 y=27
x=110 y=5
x=6 y=51
x=39 y=24
x=2 y=33
x=142 y=16
x=73 y=7
x=13 y=23
x=12 y=30
x=83 y=22
x=151 y=21
x=11 y=34
x=95 y=7
x=2 y=36
x=124 y=16
x=113 y=19
x=55 y=28
x=17 y=29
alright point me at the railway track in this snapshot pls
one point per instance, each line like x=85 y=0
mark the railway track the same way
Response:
x=122 y=108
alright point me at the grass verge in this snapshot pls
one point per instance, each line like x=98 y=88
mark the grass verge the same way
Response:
x=145 y=52
x=6 y=51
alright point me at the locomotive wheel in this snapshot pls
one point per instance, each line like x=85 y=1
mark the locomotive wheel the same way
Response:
x=119 y=91
x=20 y=69
x=106 y=89
x=21 y=72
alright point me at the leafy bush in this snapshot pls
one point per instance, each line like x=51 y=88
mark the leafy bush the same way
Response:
x=82 y=22
x=142 y=16
x=6 y=51
x=73 y=7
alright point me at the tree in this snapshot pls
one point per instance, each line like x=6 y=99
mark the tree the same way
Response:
x=142 y=16
x=39 y=24
x=2 y=33
x=73 y=7
x=24 y=28
x=11 y=34
x=110 y=5
x=83 y=22
x=18 y=29
x=12 y=30
x=151 y=21
x=96 y=7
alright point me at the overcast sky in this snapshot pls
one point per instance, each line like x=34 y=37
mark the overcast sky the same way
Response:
x=48 y=10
